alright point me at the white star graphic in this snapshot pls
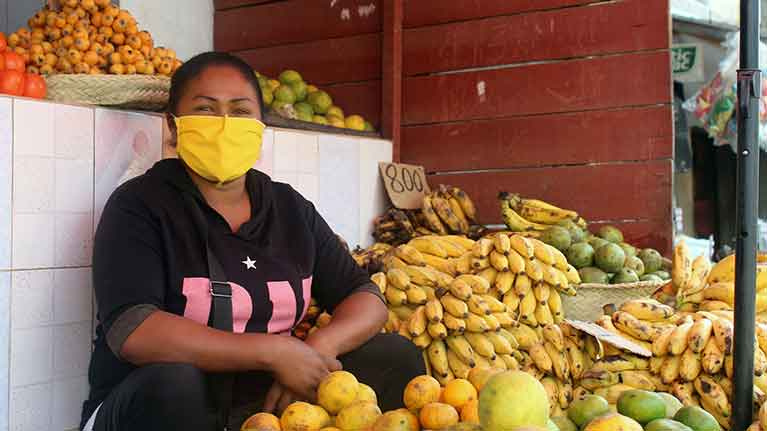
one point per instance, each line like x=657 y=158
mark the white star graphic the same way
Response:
x=249 y=263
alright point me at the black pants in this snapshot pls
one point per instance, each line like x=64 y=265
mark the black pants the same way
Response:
x=176 y=396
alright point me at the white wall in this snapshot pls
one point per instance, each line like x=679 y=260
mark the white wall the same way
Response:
x=183 y=25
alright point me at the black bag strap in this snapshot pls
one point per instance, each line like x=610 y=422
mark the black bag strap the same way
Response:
x=220 y=313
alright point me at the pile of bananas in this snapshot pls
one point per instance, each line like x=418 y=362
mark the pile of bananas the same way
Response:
x=313 y=319
x=394 y=227
x=533 y=215
x=478 y=303
x=700 y=286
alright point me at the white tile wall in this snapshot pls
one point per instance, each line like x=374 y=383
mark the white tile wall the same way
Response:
x=58 y=165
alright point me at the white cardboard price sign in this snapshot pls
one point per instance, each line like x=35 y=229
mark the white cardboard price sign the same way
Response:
x=405 y=184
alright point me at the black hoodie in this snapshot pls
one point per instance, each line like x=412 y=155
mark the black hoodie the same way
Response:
x=149 y=254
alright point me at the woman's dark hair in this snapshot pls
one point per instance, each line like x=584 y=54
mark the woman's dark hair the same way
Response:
x=195 y=66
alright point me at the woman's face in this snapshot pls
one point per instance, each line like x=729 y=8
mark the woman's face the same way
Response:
x=219 y=91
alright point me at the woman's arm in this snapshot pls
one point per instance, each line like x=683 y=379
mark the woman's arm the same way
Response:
x=356 y=320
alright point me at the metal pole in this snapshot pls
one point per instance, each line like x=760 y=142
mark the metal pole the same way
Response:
x=747 y=201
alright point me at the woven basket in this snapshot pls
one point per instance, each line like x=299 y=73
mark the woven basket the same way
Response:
x=148 y=93
x=587 y=304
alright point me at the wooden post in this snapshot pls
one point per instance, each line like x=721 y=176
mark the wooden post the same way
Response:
x=391 y=86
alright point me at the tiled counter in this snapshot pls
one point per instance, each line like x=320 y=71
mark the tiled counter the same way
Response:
x=58 y=165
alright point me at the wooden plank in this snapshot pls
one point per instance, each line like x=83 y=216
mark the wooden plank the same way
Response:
x=616 y=191
x=420 y=13
x=229 y=4
x=293 y=21
x=322 y=62
x=391 y=85
x=570 y=86
x=558 y=139
x=652 y=233
x=274 y=120
x=630 y=25
x=359 y=98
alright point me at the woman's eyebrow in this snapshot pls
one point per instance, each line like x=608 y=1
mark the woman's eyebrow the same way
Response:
x=212 y=99
x=241 y=99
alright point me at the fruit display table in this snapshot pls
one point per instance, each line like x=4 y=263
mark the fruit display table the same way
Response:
x=58 y=165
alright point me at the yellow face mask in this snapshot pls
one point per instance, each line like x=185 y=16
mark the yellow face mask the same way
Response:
x=219 y=149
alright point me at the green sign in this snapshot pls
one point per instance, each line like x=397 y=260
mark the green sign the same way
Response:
x=687 y=62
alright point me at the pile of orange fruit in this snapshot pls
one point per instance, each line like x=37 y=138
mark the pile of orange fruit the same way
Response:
x=14 y=80
x=89 y=37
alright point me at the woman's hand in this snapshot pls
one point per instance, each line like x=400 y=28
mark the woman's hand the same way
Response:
x=278 y=399
x=300 y=369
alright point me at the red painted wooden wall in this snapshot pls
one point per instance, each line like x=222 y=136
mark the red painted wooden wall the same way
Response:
x=565 y=100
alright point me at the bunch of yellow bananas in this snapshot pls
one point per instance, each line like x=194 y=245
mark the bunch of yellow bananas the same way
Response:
x=448 y=209
x=371 y=258
x=525 y=215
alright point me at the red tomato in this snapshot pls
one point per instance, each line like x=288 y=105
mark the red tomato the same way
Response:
x=15 y=62
x=12 y=82
x=34 y=86
x=3 y=42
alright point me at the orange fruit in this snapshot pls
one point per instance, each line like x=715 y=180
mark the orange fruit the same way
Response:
x=459 y=392
x=470 y=412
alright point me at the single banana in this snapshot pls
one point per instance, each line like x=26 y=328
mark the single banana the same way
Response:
x=541 y=358
x=461 y=347
x=679 y=338
x=553 y=277
x=575 y=357
x=690 y=365
x=681 y=268
x=466 y=204
x=455 y=206
x=724 y=292
x=434 y=311
x=509 y=338
x=479 y=264
x=572 y=275
x=558 y=361
x=422 y=341
x=614 y=363
x=445 y=213
x=711 y=393
x=452 y=249
x=392 y=323
x=542 y=252
x=647 y=309
x=534 y=270
x=475 y=323
x=504 y=282
x=435 y=224
x=542 y=291
x=497 y=363
x=525 y=336
x=555 y=305
x=460 y=289
x=478 y=285
x=552 y=390
x=511 y=300
x=482 y=248
x=416 y=296
x=440 y=264
x=482 y=362
x=403 y=312
x=481 y=345
x=500 y=344
x=499 y=261
x=380 y=280
x=595 y=379
x=522 y=246
x=712 y=359
x=393 y=262
x=540 y=211
x=729 y=365
x=460 y=369
x=427 y=245
x=553 y=335
x=723 y=333
x=523 y=286
x=527 y=310
x=723 y=271
x=511 y=363
x=637 y=379
x=593 y=347
x=629 y=324
x=493 y=324
x=685 y=392
x=443 y=381
x=495 y=305
x=398 y=279
x=669 y=373
x=455 y=306
x=395 y=297
x=409 y=255
x=437 y=353
x=700 y=268
x=437 y=331
x=478 y=306
x=543 y=314
x=502 y=243
x=421 y=275
x=417 y=323
x=760 y=361
x=454 y=324
x=489 y=275
x=700 y=334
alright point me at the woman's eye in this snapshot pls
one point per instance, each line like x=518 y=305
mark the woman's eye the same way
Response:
x=241 y=112
x=203 y=109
